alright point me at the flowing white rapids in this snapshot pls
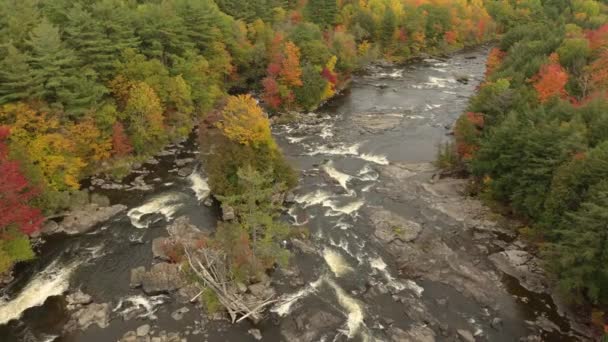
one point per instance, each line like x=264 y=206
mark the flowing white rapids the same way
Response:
x=54 y=280
x=165 y=205
x=374 y=158
x=199 y=186
x=381 y=266
x=353 y=308
x=283 y=307
x=145 y=306
x=340 y=177
x=438 y=82
x=336 y=262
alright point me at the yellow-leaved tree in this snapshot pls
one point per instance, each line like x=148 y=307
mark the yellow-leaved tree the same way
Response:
x=244 y=122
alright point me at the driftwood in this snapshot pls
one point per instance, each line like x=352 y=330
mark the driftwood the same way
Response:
x=212 y=268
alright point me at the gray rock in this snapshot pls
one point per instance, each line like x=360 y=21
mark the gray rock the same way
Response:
x=185 y=171
x=100 y=200
x=129 y=336
x=523 y=266
x=465 y=335
x=78 y=298
x=309 y=326
x=417 y=333
x=137 y=276
x=255 y=333
x=208 y=202
x=389 y=227
x=178 y=314
x=228 y=213
x=98 y=314
x=261 y=290
x=162 y=278
x=183 y=162
x=159 y=246
x=86 y=218
x=50 y=227
x=143 y=330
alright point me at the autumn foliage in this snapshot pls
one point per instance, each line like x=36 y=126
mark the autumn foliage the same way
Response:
x=466 y=132
x=15 y=194
x=494 y=59
x=244 y=122
x=551 y=80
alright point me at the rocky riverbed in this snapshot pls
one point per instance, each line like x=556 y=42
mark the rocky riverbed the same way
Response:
x=396 y=253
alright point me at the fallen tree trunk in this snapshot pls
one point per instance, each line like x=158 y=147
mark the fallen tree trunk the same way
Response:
x=212 y=268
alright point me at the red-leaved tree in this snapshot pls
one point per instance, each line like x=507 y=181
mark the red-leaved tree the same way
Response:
x=15 y=194
x=120 y=142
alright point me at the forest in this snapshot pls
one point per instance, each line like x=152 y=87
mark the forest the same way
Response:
x=90 y=87
x=536 y=136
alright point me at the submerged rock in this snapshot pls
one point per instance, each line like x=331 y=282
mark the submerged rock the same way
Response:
x=185 y=171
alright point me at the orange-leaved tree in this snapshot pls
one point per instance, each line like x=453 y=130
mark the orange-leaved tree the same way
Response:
x=551 y=80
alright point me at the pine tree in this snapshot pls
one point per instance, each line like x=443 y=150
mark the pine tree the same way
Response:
x=17 y=79
x=322 y=12
x=581 y=255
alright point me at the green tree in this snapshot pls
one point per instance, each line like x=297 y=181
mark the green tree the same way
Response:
x=258 y=215
x=17 y=79
x=580 y=255
x=322 y=12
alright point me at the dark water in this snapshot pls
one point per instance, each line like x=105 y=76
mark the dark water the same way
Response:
x=391 y=115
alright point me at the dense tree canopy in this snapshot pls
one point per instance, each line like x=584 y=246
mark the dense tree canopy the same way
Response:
x=543 y=149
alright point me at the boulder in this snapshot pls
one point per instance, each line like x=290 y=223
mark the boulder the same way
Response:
x=143 y=330
x=183 y=162
x=77 y=299
x=159 y=247
x=50 y=227
x=465 y=335
x=84 y=219
x=185 y=171
x=162 y=278
x=389 y=227
x=98 y=314
x=255 y=333
x=228 y=213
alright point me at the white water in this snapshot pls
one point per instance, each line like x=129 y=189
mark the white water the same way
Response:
x=313 y=198
x=340 y=150
x=352 y=307
x=165 y=205
x=373 y=158
x=283 y=307
x=438 y=82
x=341 y=177
x=148 y=305
x=347 y=209
x=336 y=262
x=54 y=280
x=368 y=174
x=199 y=186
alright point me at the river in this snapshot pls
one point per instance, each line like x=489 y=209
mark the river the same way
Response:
x=352 y=154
